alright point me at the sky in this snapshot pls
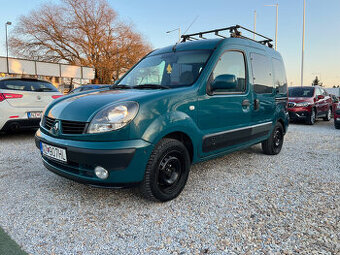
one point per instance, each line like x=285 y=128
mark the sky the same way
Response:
x=153 y=18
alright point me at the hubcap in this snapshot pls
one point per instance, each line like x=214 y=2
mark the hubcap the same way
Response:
x=329 y=114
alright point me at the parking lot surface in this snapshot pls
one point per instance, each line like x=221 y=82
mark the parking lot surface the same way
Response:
x=242 y=202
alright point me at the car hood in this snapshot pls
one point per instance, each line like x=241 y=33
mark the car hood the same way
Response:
x=300 y=99
x=81 y=107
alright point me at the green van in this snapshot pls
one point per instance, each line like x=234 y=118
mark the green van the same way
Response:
x=179 y=105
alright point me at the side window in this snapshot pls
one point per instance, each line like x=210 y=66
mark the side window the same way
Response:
x=232 y=63
x=280 y=81
x=263 y=81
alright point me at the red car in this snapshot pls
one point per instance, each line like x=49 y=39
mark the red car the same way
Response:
x=308 y=103
x=337 y=116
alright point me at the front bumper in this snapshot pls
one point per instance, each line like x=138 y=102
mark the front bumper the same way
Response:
x=299 y=115
x=125 y=160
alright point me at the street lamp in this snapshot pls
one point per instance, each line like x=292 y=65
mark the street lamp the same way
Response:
x=303 y=40
x=179 y=33
x=277 y=16
x=8 y=23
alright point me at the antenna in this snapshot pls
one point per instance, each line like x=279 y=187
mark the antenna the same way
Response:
x=191 y=24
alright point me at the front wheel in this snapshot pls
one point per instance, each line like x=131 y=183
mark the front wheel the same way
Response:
x=273 y=144
x=328 y=115
x=167 y=171
x=311 y=118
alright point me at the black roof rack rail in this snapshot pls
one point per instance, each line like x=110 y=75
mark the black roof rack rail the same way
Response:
x=234 y=32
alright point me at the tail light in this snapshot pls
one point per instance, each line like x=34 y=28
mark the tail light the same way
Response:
x=56 y=96
x=5 y=96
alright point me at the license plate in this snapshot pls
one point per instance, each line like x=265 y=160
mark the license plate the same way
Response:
x=53 y=152
x=34 y=115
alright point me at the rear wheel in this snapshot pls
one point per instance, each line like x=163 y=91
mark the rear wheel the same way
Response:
x=167 y=171
x=311 y=118
x=337 y=125
x=328 y=115
x=273 y=144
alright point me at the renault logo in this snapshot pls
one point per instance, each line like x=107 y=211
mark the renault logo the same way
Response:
x=55 y=128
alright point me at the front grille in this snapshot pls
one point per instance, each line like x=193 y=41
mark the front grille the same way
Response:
x=48 y=122
x=73 y=127
x=68 y=127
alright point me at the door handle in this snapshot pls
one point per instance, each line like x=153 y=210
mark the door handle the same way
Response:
x=245 y=103
x=256 y=104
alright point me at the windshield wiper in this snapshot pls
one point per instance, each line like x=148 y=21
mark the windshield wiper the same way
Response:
x=150 y=86
x=121 y=86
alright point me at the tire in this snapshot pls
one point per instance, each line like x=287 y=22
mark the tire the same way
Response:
x=328 y=115
x=273 y=144
x=167 y=171
x=336 y=125
x=311 y=118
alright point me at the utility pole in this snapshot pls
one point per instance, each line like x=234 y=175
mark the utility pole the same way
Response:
x=303 y=40
x=8 y=23
x=254 y=24
x=277 y=21
x=179 y=33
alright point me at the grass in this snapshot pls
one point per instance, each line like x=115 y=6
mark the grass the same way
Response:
x=8 y=246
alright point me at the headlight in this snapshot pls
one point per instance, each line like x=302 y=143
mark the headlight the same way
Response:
x=302 y=104
x=113 y=117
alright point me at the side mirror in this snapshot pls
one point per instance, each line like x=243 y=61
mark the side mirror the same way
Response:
x=224 y=81
x=321 y=97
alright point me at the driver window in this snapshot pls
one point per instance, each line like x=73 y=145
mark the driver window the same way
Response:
x=231 y=63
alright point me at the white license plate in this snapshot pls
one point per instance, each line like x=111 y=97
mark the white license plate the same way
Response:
x=53 y=152
x=34 y=115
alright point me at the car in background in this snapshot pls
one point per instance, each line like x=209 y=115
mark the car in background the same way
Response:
x=22 y=102
x=308 y=103
x=337 y=116
x=89 y=87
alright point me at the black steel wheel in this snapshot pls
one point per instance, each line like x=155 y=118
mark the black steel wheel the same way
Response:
x=273 y=144
x=167 y=171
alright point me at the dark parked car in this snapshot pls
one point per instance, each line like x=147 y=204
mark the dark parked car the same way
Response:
x=89 y=87
x=308 y=103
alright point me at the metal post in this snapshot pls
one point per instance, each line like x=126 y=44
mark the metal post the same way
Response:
x=303 y=40
x=277 y=21
x=254 y=23
x=8 y=23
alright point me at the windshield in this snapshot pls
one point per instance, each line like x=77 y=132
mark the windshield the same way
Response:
x=301 y=92
x=175 y=69
x=27 y=85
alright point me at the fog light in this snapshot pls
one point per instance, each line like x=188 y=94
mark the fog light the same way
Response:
x=101 y=172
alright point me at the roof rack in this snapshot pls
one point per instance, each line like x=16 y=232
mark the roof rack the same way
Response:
x=234 y=32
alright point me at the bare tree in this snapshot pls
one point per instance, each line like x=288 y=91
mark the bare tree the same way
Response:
x=81 y=32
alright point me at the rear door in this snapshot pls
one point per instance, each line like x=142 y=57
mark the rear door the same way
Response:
x=28 y=93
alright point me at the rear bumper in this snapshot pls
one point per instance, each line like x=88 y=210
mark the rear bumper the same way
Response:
x=20 y=124
x=10 y=115
x=125 y=160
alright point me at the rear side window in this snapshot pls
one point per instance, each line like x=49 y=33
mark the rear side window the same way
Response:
x=232 y=62
x=27 y=85
x=263 y=81
x=280 y=80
